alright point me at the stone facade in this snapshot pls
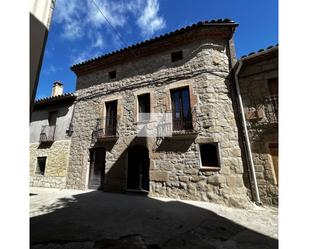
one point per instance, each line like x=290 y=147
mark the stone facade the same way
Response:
x=56 y=164
x=175 y=166
x=56 y=148
x=262 y=124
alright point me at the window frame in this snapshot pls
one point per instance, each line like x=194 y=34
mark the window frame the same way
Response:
x=181 y=106
x=107 y=118
x=138 y=106
x=214 y=168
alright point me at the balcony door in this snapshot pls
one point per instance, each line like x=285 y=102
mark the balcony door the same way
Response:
x=182 y=118
x=111 y=118
x=97 y=168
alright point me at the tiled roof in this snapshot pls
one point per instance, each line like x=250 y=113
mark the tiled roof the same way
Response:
x=57 y=98
x=218 y=22
x=263 y=50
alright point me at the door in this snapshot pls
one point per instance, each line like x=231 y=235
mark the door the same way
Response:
x=111 y=118
x=97 y=168
x=138 y=168
x=181 y=109
x=273 y=148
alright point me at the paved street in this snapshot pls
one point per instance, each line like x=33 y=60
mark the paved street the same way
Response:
x=65 y=219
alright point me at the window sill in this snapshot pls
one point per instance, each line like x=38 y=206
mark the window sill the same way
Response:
x=206 y=168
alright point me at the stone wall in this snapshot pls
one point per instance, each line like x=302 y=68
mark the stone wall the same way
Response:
x=56 y=164
x=175 y=167
x=254 y=88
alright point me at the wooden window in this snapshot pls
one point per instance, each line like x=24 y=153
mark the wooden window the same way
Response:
x=176 y=56
x=112 y=74
x=181 y=109
x=144 y=107
x=209 y=155
x=41 y=163
x=111 y=117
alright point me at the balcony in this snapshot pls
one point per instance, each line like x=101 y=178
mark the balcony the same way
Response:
x=109 y=133
x=47 y=134
x=271 y=109
x=176 y=129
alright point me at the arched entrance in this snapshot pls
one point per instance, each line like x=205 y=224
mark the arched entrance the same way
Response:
x=138 y=168
x=97 y=168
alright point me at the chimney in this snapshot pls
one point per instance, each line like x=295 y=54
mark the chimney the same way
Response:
x=57 y=88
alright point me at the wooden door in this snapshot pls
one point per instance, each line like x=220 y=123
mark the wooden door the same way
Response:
x=138 y=168
x=97 y=168
x=273 y=148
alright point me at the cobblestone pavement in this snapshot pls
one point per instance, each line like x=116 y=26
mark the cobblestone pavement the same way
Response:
x=74 y=219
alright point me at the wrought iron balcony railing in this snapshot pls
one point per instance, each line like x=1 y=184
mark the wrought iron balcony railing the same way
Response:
x=47 y=133
x=108 y=132
x=271 y=108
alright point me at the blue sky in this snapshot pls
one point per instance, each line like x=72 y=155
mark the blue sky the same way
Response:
x=79 y=32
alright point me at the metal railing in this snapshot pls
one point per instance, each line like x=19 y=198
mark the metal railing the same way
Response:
x=271 y=108
x=47 y=133
x=110 y=129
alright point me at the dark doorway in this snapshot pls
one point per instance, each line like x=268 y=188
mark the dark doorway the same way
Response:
x=138 y=168
x=97 y=168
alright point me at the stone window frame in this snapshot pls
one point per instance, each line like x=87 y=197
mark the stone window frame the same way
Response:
x=136 y=107
x=192 y=97
x=37 y=165
x=209 y=168
x=119 y=100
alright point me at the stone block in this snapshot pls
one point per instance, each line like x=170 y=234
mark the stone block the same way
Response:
x=158 y=176
x=234 y=181
x=183 y=178
x=216 y=179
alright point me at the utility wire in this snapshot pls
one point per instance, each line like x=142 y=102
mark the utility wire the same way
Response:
x=112 y=27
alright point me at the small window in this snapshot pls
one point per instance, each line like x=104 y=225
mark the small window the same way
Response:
x=176 y=56
x=40 y=169
x=112 y=74
x=210 y=155
x=144 y=107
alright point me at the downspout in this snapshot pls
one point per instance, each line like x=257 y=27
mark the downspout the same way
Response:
x=247 y=141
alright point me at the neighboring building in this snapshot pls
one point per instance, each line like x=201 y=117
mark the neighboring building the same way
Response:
x=258 y=82
x=185 y=73
x=40 y=19
x=50 y=131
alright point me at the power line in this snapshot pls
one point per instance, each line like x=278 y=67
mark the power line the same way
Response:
x=113 y=28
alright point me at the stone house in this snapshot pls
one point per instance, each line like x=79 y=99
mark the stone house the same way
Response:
x=50 y=131
x=258 y=83
x=185 y=73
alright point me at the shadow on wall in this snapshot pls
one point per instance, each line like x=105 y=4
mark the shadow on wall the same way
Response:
x=101 y=217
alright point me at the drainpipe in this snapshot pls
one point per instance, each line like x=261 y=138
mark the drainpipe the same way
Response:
x=247 y=141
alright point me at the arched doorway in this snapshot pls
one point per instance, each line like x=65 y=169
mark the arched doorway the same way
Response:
x=138 y=168
x=97 y=168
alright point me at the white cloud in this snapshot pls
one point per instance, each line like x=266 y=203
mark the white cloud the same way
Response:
x=150 y=22
x=114 y=11
x=81 y=20
x=69 y=13
x=50 y=69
